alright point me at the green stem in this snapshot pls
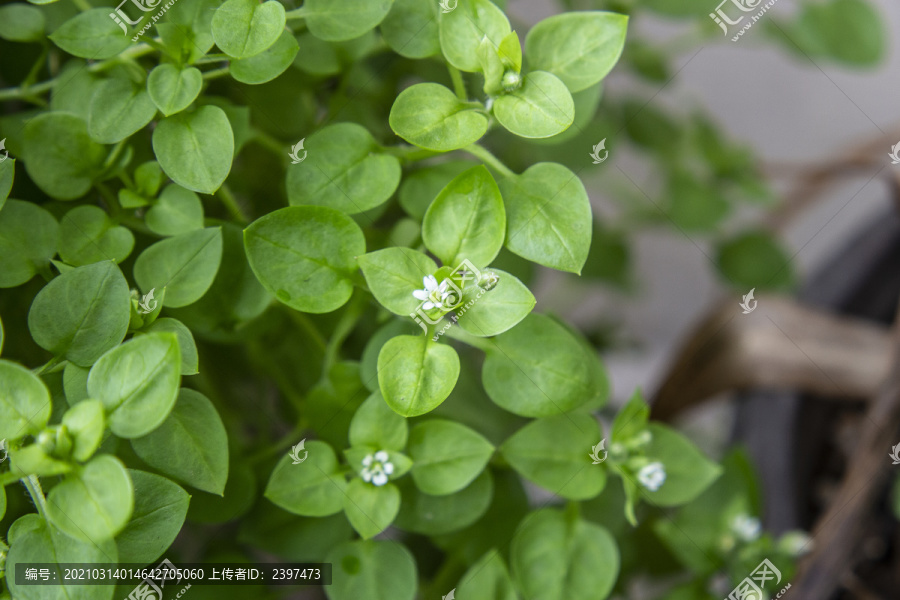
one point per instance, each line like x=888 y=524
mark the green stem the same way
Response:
x=343 y=329
x=280 y=445
x=267 y=141
x=459 y=85
x=409 y=154
x=457 y=333
x=216 y=73
x=23 y=92
x=303 y=321
x=231 y=204
x=51 y=366
x=114 y=155
x=111 y=201
x=483 y=153
x=212 y=58
x=33 y=485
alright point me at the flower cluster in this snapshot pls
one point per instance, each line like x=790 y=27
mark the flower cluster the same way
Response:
x=434 y=295
x=376 y=468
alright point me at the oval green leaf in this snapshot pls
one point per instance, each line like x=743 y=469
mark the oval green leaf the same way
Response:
x=370 y=508
x=340 y=20
x=446 y=456
x=28 y=236
x=415 y=374
x=462 y=29
x=490 y=312
x=375 y=424
x=87 y=235
x=24 y=402
x=244 y=28
x=360 y=568
x=91 y=34
x=268 y=64
x=185 y=265
x=312 y=488
x=176 y=211
x=160 y=507
x=118 y=109
x=542 y=107
x=172 y=89
x=432 y=117
x=62 y=159
x=393 y=274
x=305 y=256
x=195 y=149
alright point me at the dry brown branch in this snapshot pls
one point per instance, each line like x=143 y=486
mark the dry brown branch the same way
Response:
x=781 y=345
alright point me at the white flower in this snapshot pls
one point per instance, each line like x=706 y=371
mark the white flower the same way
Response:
x=433 y=295
x=652 y=476
x=376 y=468
x=745 y=527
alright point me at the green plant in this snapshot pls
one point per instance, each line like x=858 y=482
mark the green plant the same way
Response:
x=182 y=309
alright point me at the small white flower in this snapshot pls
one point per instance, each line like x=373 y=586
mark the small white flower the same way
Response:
x=652 y=476
x=376 y=468
x=746 y=528
x=433 y=295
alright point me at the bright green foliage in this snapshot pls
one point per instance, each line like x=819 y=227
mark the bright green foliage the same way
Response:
x=82 y=313
x=305 y=255
x=224 y=225
x=344 y=170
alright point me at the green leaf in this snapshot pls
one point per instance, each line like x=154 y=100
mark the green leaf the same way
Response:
x=93 y=503
x=542 y=107
x=195 y=149
x=432 y=117
x=305 y=256
x=755 y=259
x=579 y=47
x=190 y=445
x=28 y=236
x=631 y=420
x=393 y=274
x=688 y=471
x=368 y=365
x=237 y=499
x=20 y=22
x=375 y=424
x=185 y=265
x=554 y=453
x=437 y=515
x=91 y=34
x=160 y=507
x=87 y=235
x=177 y=211
x=24 y=402
x=172 y=89
x=85 y=424
x=269 y=64
x=137 y=383
x=34 y=460
x=466 y=220
x=491 y=66
x=420 y=187
x=343 y=170
x=446 y=456
x=118 y=109
x=520 y=375
x=82 y=313
x=486 y=313
x=360 y=568
x=462 y=29
x=339 y=20
x=244 y=28
x=75 y=383
x=148 y=177
x=847 y=31
x=488 y=579
x=33 y=540
x=510 y=52
x=548 y=217
x=62 y=159
x=370 y=508
x=411 y=28
x=555 y=557
x=189 y=357
x=415 y=374
x=7 y=175
x=312 y=488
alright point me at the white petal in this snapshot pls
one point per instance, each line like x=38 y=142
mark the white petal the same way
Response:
x=421 y=294
x=428 y=305
x=366 y=475
x=367 y=460
x=380 y=479
x=443 y=287
x=381 y=456
x=430 y=283
x=388 y=468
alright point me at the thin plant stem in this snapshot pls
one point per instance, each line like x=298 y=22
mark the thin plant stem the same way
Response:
x=459 y=85
x=483 y=153
x=231 y=204
x=33 y=485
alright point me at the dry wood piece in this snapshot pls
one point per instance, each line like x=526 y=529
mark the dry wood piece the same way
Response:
x=781 y=345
